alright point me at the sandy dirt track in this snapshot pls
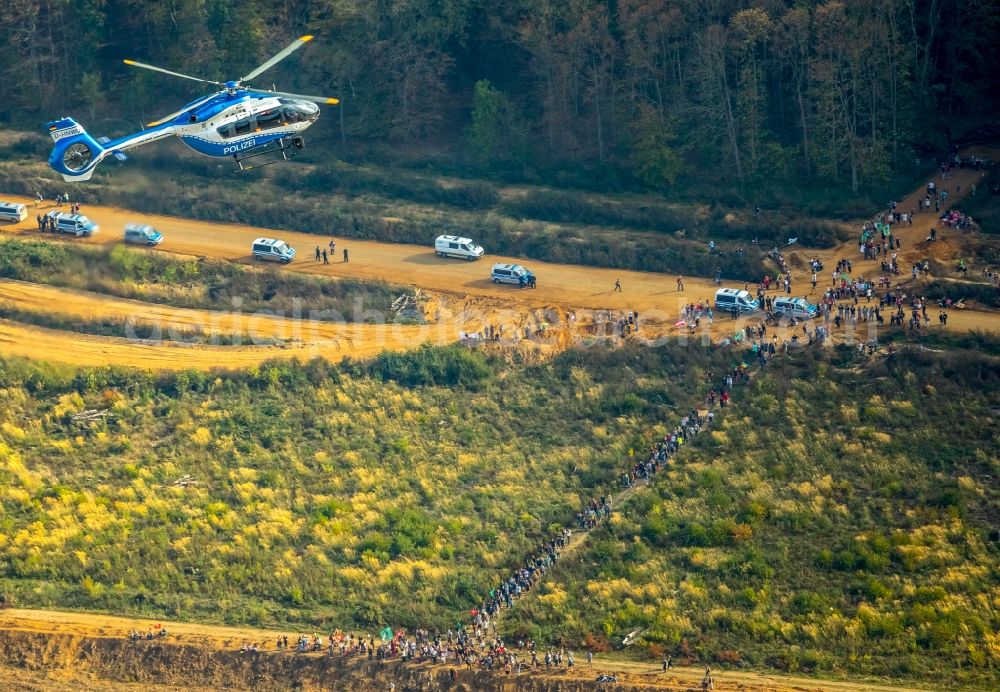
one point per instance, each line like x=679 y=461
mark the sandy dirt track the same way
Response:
x=297 y=338
x=655 y=296
x=51 y=345
x=301 y=339
x=231 y=638
x=558 y=284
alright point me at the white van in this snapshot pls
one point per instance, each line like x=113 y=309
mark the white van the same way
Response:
x=77 y=224
x=13 y=211
x=728 y=299
x=453 y=246
x=271 y=249
x=799 y=308
x=142 y=234
x=512 y=274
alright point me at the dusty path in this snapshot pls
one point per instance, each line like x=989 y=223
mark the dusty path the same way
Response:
x=215 y=637
x=566 y=285
x=160 y=337
x=253 y=327
x=655 y=296
x=55 y=346
x=569 y=286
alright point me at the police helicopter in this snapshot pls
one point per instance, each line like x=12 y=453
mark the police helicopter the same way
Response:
x=237 y=121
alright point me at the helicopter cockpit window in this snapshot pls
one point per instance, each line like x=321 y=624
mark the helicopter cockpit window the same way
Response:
x=268 y=120
x=298 y=111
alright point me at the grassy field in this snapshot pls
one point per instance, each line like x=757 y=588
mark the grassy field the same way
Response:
x=843 y=519
x=390 y=492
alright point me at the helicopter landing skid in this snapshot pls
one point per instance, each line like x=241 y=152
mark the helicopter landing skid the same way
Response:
x=283 y=149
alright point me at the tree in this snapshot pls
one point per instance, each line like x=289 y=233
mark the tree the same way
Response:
x=655 y=159
x=495 y=133
x=91 y=92
x=717 y=103
x=752 y=29
x=794 y=46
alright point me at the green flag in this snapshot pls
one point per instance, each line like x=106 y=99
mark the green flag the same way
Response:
x=386 y=634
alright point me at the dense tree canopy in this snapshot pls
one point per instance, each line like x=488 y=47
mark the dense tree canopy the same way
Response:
x=842 y=90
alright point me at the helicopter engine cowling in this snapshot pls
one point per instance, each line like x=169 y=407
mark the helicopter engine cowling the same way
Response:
x=75 y=154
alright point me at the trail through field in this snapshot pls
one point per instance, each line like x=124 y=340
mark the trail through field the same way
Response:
x=216 y=638
x=160 y=337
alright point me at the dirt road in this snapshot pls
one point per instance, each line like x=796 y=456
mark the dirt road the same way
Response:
x=565 y=285
x=214 y=638
x=159 y=337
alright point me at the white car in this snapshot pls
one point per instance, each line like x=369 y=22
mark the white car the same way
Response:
x=454 y=246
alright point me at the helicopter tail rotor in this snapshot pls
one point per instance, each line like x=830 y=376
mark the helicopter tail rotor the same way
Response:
x=76 y=153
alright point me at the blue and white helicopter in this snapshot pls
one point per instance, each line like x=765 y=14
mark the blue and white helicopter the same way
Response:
x=237 y=121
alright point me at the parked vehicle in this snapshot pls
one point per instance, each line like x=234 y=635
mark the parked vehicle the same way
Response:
x=512 y=274
x=727 y=299
x=454 y=246
x=273 y=250
x=142 y=234
x=799 y=308
x=76 y=224
x=13 y=211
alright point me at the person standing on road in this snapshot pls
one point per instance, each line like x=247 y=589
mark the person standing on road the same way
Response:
x=618 y=285
x=680 y=282
x=345 y=255
x=326 y=258
x=40 y=226
x=317 y=253
x=333 y=246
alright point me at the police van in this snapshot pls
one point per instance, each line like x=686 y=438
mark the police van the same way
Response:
x=142 y=234
x=75 y=224
x=512 y=274
x=729 y=299
x=13 y=211
x=273 y=250
x=799 y=308
x=454 y=246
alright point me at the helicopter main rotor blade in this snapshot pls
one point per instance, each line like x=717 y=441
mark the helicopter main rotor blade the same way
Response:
x=327 y=100
x=170 y=117
x=133 y=63
x=291 y=48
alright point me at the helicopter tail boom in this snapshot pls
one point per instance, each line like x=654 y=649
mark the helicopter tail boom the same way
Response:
x=75 y=154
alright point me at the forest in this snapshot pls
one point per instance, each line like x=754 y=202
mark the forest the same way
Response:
x=642 y=94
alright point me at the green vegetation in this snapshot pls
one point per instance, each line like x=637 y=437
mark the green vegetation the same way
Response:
x=984 y=208
x=161 y=278
x=388 y=492
x=841 y=519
